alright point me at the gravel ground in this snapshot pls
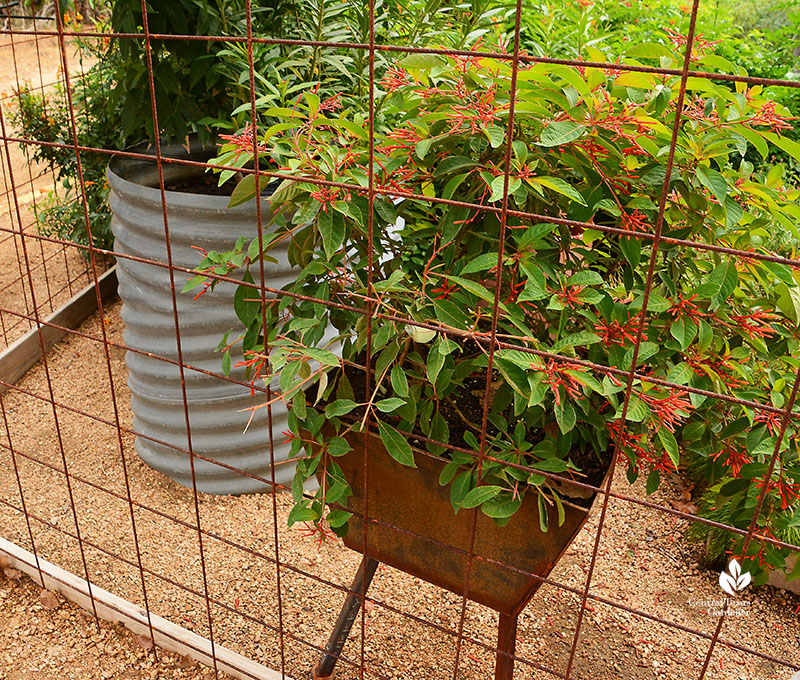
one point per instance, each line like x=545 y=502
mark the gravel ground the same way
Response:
x=45 y=638
x=643 y=561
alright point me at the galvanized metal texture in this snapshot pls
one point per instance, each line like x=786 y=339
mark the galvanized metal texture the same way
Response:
x=218 y=409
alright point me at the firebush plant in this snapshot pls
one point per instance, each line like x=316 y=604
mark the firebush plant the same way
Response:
x=587 y=145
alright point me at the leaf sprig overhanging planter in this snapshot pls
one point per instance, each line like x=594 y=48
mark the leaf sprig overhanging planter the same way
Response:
x=588 y=146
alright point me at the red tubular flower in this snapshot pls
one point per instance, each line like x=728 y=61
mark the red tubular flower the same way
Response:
x=556 y=376
x=255 y=364
x=444 y=291
x=616 y=333
x=789 y=492
x=756 y=322
x=699 y=47
x=726 y=374
x=685 y=307
x=394 y=79
x=326 y=195
x=331 y=104
x=671 y=410
x=635 y=221
x=569 y=295
x=312 y=529
x=766 y=115
x=771 y=420
x=244 y=140
x=734 y=458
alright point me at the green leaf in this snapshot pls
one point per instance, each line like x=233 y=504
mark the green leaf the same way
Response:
x=396 y=445
x=332 y=229
x=501 y=508
x=480 y=494
x=565 y=415
x=247 y=304
x=585 y=277
x=424 y=62
x=670 y=444
x=301 y=513
x=498 y=184
x=399 y=381
x=728 y=279
x=389 y=405
x=338 y=518
x=450 y=314
x=560 y=186
x=542 y=514
x=460 y=488
x=244 y=191
x=481 y=263
x=789 y=146
x=338 y=446
x=680 y=374
x=653 y=481
x=683 y=330
x=200 y=278
x=561 y=132
x=339 y=407
x=713 y=181
x=495 y=135
x=754 y=138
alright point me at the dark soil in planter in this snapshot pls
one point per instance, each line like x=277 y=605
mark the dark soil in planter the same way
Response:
x=205 y=184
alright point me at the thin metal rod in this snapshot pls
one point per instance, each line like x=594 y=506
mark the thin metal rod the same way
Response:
x=347 y=617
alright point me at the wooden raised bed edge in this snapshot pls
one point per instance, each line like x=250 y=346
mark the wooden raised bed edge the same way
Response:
x=167 y=635
x=23 y=353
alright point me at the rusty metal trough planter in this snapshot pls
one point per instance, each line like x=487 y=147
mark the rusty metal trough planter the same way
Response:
x=413 y=528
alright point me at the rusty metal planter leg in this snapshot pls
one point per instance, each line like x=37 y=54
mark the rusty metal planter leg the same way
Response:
x=506 y=644
x=347 y=617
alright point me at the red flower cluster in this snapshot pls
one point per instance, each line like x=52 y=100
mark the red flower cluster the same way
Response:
x=556 y=376
x=767 y=116
x=670 y=410
x=244 y=141
x=756 y=323
x=255 y=363
x=734 y=458
x=326 y=195
x=616 y=333
x=634 y=221
x=700 y=46
x=394 y=79
x=569 y=296
x=770 y=419
x=685 y=307
x=316 y=529
x=789 y=492
x=699 y=365
x=636 y=444
x=477 y=114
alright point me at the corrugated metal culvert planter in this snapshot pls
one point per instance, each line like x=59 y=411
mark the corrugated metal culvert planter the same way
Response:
x=217 y=412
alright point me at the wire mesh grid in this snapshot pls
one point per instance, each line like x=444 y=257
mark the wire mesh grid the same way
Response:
x=137 y=521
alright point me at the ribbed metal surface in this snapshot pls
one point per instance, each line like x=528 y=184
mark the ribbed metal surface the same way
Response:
x=217 y=408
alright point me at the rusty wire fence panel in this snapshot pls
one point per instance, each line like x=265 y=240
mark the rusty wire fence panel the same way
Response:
x=34 y=290
x=57 y=270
